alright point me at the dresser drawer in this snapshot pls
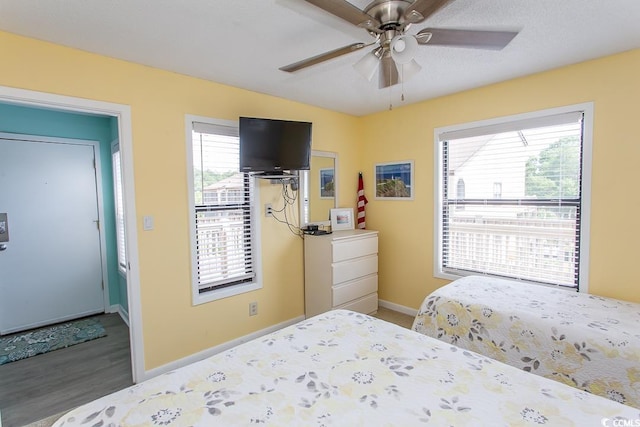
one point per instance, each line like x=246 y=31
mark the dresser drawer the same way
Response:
x=366 y=305
x=353 y=290
x=349 y=270
x=354 y=248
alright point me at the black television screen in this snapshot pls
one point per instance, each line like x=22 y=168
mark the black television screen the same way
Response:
x=269 y=145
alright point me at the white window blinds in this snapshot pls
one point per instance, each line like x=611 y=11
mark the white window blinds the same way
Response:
x=511 y=199
x=222 y=196
x=119 y=202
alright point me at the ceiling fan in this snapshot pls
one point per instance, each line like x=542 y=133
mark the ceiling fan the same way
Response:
x=388 y=21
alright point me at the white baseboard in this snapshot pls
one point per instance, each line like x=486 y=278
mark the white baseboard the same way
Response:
x=397 y=307
x=121 y=311
x=217 y=349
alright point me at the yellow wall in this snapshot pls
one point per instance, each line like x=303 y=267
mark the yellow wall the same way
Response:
x=611 y=83
x=159 y=100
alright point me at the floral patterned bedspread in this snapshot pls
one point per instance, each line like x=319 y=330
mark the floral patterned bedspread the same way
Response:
x=348 y=369
x=582 y=340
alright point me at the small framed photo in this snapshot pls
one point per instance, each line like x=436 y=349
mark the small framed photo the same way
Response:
x=327 y=185
x=341 y=219
x=394 y=180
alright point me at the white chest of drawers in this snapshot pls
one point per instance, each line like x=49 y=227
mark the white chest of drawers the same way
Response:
x=341 y=271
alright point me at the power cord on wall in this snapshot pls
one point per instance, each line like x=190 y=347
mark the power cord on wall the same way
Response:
x=289 y=197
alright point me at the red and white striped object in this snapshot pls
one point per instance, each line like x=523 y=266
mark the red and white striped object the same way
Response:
x=362 y=201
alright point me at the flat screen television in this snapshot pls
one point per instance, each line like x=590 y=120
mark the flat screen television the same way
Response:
x=272 y=146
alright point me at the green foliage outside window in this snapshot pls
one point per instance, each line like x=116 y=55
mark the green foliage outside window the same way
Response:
x=555 y=172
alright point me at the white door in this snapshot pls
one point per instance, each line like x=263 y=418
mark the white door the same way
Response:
x=50 y=269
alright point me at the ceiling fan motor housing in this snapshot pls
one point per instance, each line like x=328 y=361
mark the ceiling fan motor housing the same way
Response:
x=390 y=13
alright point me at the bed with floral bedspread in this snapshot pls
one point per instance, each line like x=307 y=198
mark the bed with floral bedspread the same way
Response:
x=348 y=369
x=582 y=340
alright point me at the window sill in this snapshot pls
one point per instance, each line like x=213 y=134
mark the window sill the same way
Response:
x=217 y=294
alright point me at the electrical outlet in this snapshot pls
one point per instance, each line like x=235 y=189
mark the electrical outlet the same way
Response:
x=253 y=308
x=268 y=210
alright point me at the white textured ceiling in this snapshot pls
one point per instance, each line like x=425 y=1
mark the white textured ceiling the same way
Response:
x=242 y=43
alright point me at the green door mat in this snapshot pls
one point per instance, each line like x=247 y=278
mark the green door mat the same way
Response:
x=22 y=345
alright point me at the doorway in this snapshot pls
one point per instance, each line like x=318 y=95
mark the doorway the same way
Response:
x=52 y=262
x=121 y=115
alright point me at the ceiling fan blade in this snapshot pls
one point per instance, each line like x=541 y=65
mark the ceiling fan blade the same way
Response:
x=422 y=9
x=322 y=57
x=345 y=10
x=388 y=71
x=477 y=39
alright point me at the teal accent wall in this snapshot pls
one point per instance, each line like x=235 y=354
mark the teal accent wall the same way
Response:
x=104 y=129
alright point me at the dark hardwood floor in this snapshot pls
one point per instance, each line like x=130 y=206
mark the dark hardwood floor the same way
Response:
x=37 y=387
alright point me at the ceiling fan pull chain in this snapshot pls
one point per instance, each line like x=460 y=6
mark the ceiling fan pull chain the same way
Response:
x=402 y=83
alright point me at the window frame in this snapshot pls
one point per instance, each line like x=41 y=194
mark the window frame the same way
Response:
x=234 y=289
x=585 y=215
x=118 y=190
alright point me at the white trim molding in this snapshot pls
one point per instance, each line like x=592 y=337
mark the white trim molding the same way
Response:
x=117 y=308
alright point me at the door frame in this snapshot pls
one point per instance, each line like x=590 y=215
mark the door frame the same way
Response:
x=122 y=113
x=99 y=195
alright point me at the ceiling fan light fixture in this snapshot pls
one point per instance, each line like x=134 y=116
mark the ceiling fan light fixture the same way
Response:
x=368 y=64
x=408 y=70
x=403 y=48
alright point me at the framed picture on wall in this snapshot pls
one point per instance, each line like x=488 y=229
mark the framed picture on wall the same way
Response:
x=341 y=219
x=327 y=183
x=394 y=180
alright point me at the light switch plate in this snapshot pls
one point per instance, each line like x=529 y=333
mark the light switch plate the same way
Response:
x=147 y=223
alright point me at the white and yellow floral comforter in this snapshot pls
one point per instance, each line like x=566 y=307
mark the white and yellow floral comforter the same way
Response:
x=347 y=369
x=582 y=340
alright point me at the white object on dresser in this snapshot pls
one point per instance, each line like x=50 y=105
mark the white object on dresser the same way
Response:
x=341 y=271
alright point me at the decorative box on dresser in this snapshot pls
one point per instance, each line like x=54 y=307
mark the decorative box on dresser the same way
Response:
x=341 y=271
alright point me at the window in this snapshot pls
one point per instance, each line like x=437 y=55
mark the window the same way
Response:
x=119 y=205
x=523 y=213
x=497 y=190
x=223 y=231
